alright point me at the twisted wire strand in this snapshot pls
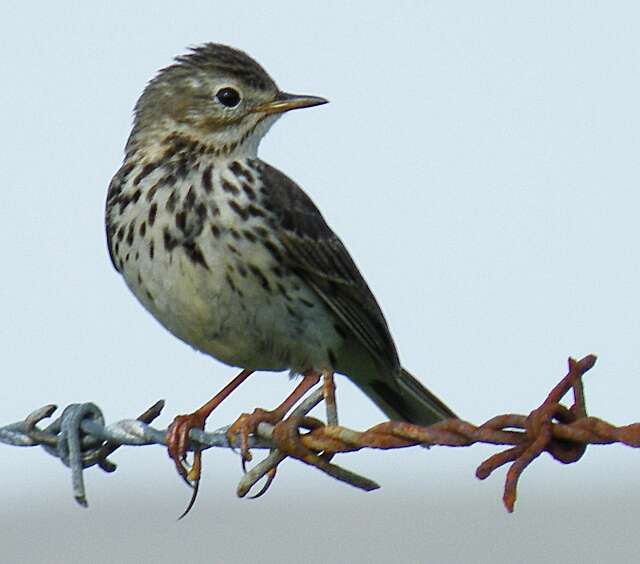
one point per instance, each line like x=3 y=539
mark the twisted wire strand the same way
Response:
x=80 y=438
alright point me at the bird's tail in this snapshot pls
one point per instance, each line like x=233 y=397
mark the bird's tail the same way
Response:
x=403 y=398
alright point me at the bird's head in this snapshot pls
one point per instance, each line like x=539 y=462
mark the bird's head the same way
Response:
x=215 y=95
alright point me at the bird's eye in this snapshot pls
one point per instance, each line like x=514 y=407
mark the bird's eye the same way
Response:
x=229 y=97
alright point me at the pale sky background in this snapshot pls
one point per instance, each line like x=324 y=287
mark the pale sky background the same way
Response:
x=479 y=160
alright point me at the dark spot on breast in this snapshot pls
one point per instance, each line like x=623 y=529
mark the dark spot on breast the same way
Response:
x=182 y=167
x=250 y=192
x=126 y=170
x=215 y=230
x=215 y=210
x=194 y=253
x=123 y=200
x=247 y=174
x=229 y=188
x=169 y=152
x=273 y=250
x=235 y=234
x=230 y=281
x=238 y=209
x=152 y=191
x=170 y=242
x=241 y=171
x=255 y=211
x=181 y=221
x=241 y=270
x=190 y=198
x=151 y=249
x=149 y=295
x=142 y=229
x=177 y=141
x=236 y=168
x=207 y=184
x=260 y=276
x=249 y=236
x=170 y=206
x=233 y=249
x=146 y=170
x=120 y=233
x=136 y=196
x=261 y=232
x=130 y=232
x=153 y=210
x=201 y=211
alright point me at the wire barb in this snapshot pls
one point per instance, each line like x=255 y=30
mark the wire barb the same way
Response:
x=80 y=438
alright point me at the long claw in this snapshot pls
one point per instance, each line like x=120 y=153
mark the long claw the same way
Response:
x=192 y=501
x=271 y=474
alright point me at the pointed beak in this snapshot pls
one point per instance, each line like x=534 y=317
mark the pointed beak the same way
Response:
x=285 y=102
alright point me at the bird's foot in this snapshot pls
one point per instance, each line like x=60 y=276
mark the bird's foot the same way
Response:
x=246 y=425
x=178 y=446
x=287 y=438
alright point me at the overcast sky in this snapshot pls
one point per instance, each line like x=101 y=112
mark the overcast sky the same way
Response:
x=479 y=160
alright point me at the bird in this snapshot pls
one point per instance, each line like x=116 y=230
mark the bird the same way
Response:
x=232 y=257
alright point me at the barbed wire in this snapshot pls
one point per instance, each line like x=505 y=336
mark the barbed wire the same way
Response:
x=80 y=438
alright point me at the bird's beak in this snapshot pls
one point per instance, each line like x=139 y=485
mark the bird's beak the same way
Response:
x=285 y=102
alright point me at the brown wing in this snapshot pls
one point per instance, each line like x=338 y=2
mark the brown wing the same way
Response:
x=318 y=256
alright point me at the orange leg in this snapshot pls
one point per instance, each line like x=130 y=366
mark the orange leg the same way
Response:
x=247 y=423
x=178 y=432
x=329 y=392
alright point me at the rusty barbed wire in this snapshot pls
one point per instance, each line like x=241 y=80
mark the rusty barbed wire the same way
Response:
x=80 y=438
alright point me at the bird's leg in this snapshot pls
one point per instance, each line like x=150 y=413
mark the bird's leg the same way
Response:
x=178 y=433
x=329 y=392
x=248 y=423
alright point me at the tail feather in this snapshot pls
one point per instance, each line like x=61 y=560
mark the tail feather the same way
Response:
x=403 y=398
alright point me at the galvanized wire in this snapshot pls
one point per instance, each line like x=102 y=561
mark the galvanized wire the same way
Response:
x=80 y=438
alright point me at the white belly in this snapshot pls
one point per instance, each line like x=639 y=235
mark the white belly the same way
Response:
x=239 y=323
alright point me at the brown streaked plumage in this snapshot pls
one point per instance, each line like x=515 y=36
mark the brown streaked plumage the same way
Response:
x=230 y=255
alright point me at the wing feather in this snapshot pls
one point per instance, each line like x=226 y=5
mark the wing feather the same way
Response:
x=318 y=256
